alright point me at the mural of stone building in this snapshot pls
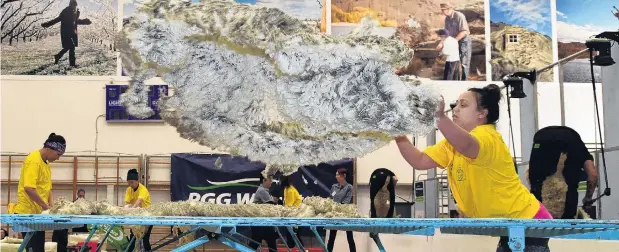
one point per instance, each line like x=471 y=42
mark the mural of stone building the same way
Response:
x=515 y=48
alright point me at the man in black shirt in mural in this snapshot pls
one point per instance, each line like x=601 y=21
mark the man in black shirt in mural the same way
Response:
x=69 y=19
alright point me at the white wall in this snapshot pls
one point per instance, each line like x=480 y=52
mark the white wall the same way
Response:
x=610 y=74
x=31 y=110
x=34 y=107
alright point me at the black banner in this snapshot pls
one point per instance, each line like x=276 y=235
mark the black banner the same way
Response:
x=226 y=179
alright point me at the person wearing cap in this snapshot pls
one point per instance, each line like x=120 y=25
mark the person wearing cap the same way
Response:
x=341 y=193
x=450 y=49
x=138 y=196
x=458 y=27
x=34 y=191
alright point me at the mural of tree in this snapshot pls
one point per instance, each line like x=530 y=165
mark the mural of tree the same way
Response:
x=35 y=39
x=21 y=19
x=104 y=24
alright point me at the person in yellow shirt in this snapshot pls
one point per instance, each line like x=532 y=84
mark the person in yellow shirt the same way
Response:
x=480 y=169
x=138 y=196
x=34 y=191
x=292 y=198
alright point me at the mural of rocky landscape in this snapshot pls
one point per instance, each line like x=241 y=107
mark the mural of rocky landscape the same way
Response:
x=416 y=23
x=528 y=50
x=575 y=26
x=520 y=37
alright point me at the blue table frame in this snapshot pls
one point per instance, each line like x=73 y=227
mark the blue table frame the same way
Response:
x=515 y=229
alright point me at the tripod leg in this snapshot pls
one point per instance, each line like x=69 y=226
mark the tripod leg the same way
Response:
x=379 y=244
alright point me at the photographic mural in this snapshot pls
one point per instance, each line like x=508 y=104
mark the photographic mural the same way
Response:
x=59 y=37
x=448 y=37
x=76 y=37
x=521 y=38
x=577 y=21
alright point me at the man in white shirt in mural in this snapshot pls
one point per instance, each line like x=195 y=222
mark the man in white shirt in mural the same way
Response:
x=450 y=48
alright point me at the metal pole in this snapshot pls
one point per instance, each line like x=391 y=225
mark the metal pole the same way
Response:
x=528 y=124
x=562 y=95
x=75 y=162
x=548 y=67
x=563 y=61
x=610 y=102
x=431 y=184
x=8 y=191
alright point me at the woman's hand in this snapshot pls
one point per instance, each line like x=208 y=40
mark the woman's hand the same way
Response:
x=440 y=110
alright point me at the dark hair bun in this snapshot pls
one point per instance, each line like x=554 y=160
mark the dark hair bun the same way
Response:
x=494 y=93
x=56 y=138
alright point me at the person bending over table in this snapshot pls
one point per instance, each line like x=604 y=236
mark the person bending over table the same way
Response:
x=137 y=196
x=480 y=169
x=34 y=191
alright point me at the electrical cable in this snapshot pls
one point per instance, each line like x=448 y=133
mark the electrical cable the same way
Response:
x=511 y=128
x=597 y=112
x=413 y=185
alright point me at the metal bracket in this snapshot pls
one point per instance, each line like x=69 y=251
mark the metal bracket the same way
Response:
x=516 y=239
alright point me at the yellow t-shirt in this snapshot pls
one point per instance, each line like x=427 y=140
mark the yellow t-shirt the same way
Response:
x=487 y=186
x=292 y=197
x=37 y=174
x=132 y=196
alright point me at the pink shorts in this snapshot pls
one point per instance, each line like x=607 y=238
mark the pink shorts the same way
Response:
x=542 y=213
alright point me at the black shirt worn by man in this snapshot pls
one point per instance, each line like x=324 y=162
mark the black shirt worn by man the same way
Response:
x=550 y=143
